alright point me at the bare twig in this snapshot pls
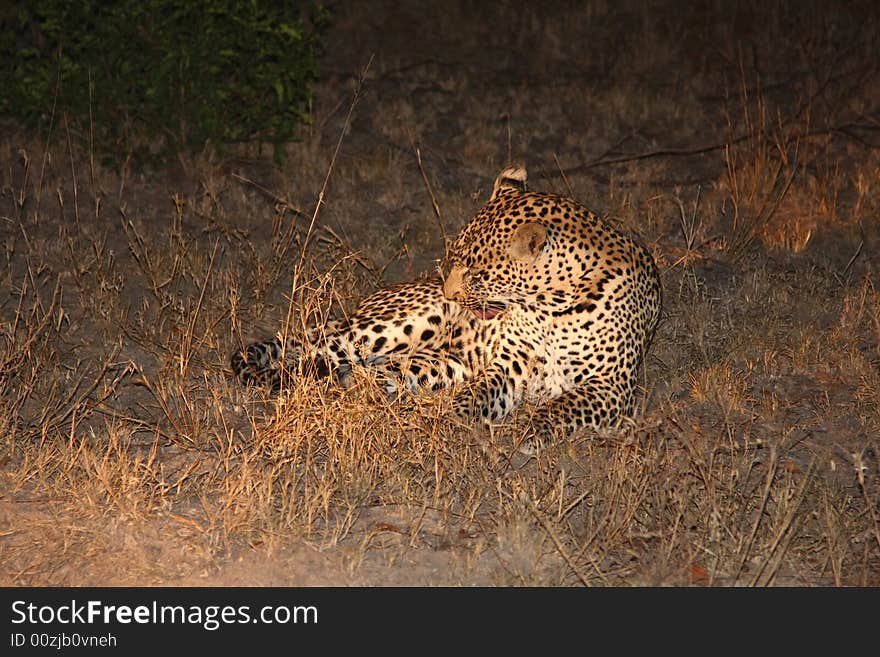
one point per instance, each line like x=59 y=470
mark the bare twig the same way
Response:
x=861 y=468
x=72 y=171
x=297 y=273
x=780 y=542
x=562 y=173
x=853 y=259
x=434 y=205
x=186 y=351
x=772 y=468
x=551 y=532
x=320 y=203
x=603 y=161
x=277 y=200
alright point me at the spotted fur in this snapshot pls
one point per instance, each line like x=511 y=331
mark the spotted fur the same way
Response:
x=543 y=303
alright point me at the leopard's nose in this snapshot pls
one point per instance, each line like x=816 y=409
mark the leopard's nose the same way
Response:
x=453 y=286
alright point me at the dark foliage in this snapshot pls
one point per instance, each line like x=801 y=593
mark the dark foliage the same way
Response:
x=150 y=78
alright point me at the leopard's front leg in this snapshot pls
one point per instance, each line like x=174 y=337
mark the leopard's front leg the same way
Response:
x=595 y=404
x=488 y=398
x=428 y=370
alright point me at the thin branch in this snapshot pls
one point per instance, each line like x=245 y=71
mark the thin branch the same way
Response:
x=548 y=527
x=434 y=205
x=294 y=283
x=342 y=133
x=707 y=148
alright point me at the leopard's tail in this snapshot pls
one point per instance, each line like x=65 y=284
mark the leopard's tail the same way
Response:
x=259 y=363
x=266 y=364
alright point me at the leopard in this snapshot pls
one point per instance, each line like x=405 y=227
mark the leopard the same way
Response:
x=544 y=304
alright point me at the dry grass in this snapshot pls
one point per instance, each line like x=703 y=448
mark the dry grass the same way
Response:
x=749 y=164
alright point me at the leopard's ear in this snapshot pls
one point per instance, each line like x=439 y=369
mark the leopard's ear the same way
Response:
x=527 y=242
x=513 y=177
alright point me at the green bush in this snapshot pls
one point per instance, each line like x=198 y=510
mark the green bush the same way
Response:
x=153 y=77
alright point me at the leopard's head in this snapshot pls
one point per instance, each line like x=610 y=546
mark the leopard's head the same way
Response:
x=521 y=248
